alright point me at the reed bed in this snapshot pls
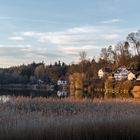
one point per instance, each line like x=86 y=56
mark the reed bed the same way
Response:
x=69 y=119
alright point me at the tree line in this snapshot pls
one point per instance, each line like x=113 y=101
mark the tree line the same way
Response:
x=125 y=53
x=33 y=72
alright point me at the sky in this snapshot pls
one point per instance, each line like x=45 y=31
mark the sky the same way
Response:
x=53 y=30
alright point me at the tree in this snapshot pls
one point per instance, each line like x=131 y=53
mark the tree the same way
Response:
x=40 y=72
x=122 y=53
x=32 y=79
x=83 y=56
x=134 y=38
x=25 y=70
x=104 y=54
x=108 y=55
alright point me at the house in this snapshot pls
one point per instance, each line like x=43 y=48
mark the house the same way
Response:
x=131 y=76
x=121 y=73
x=103 y=72
x=62 y=82
x=40 y=81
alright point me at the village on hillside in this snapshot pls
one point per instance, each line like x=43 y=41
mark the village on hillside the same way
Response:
x=100 y=85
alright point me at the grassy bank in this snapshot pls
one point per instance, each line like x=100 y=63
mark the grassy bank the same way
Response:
x=69 y=119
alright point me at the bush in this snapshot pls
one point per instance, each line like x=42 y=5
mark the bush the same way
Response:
x=119 y=89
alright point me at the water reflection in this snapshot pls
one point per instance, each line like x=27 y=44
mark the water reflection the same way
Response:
x=62 y=93
x=59 y=93
x=82 y=94
x=27 y=93
x=79 y=94
x=4 y=99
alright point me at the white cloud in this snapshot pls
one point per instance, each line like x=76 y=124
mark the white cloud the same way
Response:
x=67 y=39
x=16 y=38
x=11 y=55
x=31 y=34
x=110 y=36
x=84 y=29
x=111 y=21
x=17 y=46
x=14 y=51
x=76 y=50
x=88 y=35
x=62 y=45
x=78 y=36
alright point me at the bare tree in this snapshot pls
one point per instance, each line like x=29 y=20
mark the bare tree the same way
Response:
x=108 y=54
x=134 y=38
x=105 y=54
x=83 y=56
x=122 y=53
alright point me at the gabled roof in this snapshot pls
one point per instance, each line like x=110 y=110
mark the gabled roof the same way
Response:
x=133 y=71
x=137 y=73
x=106 y=69
x=121 y=70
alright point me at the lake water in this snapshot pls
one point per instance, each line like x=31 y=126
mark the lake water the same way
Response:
x=27 y=93
x=5 y=94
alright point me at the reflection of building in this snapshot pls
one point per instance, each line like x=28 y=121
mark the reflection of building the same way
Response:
x=62 y=93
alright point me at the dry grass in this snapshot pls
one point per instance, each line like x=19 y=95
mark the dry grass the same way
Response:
x=69 y=119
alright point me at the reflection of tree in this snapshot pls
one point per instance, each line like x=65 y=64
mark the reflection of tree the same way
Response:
x=76 y=80
x=79 y=94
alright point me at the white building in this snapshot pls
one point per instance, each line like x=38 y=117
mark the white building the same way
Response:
x=62 y=82
x=121 y=73
x=40 y=81
x=131 y=76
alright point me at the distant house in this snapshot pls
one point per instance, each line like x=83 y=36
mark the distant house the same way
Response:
x=40 y=81
x=131 y=76
x=62 y=82
x=121 y=73
x=103 y=72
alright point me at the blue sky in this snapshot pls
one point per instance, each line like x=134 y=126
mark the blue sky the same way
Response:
x=52 y=30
